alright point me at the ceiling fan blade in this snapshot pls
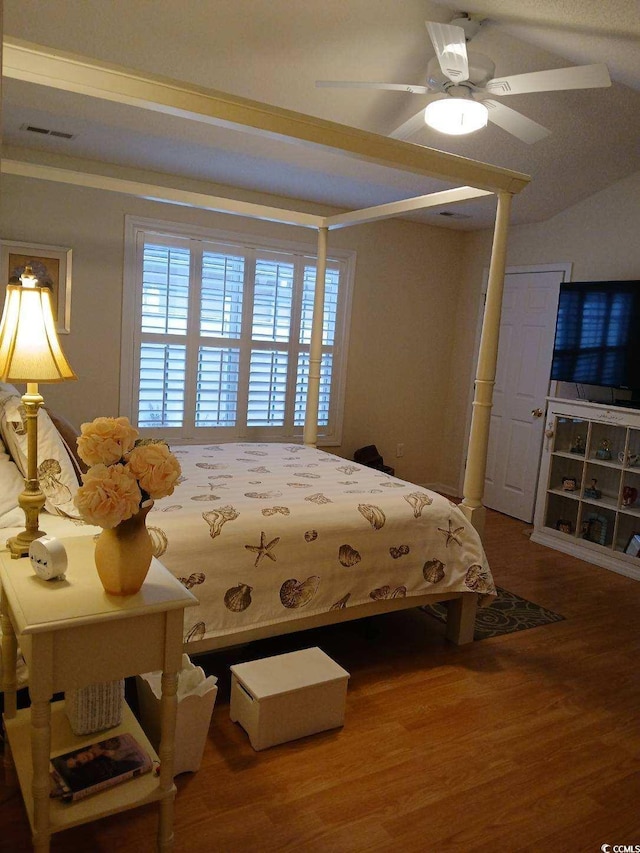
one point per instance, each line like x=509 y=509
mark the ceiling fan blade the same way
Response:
x=409 y=127
x=451 y=49
x=354 y=84
x=515 y=123
x=578 y=77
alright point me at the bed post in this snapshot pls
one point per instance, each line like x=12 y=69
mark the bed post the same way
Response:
x=461 y=618
x=310 y=434
x=473 y=489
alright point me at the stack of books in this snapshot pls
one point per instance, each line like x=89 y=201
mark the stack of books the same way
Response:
x=101 y=765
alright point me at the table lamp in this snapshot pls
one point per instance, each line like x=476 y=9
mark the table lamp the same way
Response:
x=30 y=352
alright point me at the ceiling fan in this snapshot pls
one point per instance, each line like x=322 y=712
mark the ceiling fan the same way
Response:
x=462 y=87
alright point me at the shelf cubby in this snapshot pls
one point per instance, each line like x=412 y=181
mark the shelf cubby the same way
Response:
x=588 y=501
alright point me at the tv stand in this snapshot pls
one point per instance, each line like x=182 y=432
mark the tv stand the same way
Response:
x=588 y=501
x=628 y=404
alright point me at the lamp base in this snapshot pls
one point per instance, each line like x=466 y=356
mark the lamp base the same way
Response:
x=19 y=545
x=31 y=500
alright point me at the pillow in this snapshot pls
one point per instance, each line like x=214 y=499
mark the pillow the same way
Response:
x=57 y=476
x=69 y=435
x=7 y=392
x=11 y=484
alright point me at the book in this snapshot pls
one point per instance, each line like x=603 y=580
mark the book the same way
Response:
x=89 y=769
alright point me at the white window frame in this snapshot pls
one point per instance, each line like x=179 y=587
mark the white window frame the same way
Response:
x=135 y=230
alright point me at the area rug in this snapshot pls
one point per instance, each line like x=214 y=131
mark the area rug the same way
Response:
x=506 y=615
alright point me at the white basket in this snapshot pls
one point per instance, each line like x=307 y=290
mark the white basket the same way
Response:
x=96 y=707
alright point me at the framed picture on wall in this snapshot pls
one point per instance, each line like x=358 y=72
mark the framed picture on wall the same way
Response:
x=52 y=267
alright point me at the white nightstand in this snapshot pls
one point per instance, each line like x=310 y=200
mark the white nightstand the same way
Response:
x=73 y=634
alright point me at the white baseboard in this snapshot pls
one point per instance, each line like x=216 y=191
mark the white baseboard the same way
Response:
x=442 y=488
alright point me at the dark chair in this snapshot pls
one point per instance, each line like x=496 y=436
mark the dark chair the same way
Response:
x=370 y=457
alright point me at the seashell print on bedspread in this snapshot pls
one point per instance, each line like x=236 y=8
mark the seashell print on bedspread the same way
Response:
x=263 y=533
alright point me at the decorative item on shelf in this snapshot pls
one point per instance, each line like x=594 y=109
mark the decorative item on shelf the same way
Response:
x=30 y=352
x=95 y=707
x=632 y=547
x=629 y=496
x=629 y=459
x=578 y=445
x=594 y=528
x=564 y=525
x=592 y=492
x=604 y=451
x=126 y=476
x=97 y=766
x=569 y=484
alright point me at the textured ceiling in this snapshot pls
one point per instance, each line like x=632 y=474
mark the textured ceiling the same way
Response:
x=275 y=50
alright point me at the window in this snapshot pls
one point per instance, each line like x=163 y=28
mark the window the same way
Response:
x=216 y=335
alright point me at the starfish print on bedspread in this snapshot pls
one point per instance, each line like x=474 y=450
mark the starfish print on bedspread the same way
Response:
x=451 y=535
x=263 y=549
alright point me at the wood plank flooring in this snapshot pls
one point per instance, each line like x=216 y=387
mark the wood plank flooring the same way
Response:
x=525 y=742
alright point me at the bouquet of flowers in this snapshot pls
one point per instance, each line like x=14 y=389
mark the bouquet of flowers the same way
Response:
x=125 y=471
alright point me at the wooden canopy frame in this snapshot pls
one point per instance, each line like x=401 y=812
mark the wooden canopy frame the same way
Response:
x=72 y=73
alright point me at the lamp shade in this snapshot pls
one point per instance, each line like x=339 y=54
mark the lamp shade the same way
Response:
x=456 y=116
x=29 y=347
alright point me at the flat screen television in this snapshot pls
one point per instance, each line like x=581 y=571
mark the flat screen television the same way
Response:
x=598 y=334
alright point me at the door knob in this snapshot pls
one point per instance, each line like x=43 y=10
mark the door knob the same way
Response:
x=537 y=413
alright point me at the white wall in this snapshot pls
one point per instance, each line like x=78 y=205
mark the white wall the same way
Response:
x=599 y=237
x=402 y=332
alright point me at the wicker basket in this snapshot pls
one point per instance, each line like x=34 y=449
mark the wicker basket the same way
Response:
x=96 y=707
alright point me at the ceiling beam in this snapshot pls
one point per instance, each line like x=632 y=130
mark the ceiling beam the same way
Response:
x=152 y=192
x=399 y=208
x=236 y=207
x=73 y=73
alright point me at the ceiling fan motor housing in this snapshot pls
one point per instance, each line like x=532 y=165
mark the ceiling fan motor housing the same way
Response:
x=470 y=25
x=481 y=70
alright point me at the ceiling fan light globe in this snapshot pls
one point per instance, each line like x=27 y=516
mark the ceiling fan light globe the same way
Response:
x=456 y=116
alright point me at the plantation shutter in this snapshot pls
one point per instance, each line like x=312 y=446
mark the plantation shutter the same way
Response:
x=222 y=339
x=165 y=295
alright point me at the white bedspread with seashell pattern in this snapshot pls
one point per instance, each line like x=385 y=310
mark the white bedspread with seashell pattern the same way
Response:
x=266 y=532
x=262 y=533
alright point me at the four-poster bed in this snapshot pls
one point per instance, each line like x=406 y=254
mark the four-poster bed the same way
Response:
x=53 y=68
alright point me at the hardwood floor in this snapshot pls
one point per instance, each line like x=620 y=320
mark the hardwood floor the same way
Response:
x=524 y=742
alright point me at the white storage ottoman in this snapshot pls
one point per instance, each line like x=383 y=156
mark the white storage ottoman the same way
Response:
x=288 y=696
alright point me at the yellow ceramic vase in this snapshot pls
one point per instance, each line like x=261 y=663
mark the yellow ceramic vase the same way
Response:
x=123 y=554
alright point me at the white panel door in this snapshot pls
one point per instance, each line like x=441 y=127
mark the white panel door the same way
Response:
x=527 y=330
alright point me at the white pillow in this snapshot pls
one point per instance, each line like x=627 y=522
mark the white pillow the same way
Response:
x=6 y=392
x=56 y=474
x=11 y=484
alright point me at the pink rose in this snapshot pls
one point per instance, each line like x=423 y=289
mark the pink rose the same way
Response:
x=109 y=495
x=106 y=440
x=155 y=467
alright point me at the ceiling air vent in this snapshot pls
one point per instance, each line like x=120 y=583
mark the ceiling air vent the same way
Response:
x=45 y=131
x=453 y=215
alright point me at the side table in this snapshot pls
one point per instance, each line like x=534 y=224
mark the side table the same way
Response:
x=73 y=634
